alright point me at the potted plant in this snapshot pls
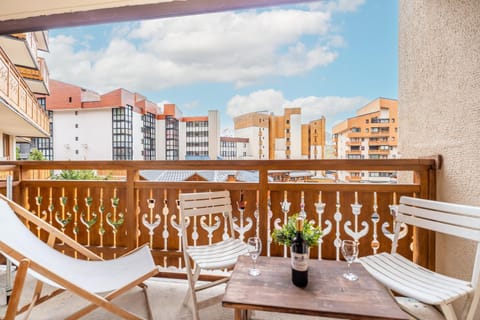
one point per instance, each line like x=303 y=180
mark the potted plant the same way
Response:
x=285 y=235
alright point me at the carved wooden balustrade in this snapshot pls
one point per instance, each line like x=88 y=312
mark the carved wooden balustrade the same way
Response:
x=114 y=216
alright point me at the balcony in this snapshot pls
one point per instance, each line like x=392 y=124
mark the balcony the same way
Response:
x=21 y=113
x=113 y=216
x=353 y=151
x=36 y=79
x=379 y=151
x=377 y=142
x=354 y=142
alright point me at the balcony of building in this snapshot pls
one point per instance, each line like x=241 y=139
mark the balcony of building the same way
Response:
x=36 y=79
x=354 y=142
x=380 y=120
x=379 y=151
x=22 y=49
x=378 y=141
x=21 y=113
x=353 y=151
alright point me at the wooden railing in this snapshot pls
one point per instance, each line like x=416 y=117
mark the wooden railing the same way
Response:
x=15 y=91
x=112 y=217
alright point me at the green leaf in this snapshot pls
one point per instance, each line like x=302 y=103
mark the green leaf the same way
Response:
x=285 y=235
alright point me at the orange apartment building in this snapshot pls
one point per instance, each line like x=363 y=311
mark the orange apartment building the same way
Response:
x=371 y=134
x=281 y=137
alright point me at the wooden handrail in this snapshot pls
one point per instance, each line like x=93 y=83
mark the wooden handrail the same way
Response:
x=343 y=164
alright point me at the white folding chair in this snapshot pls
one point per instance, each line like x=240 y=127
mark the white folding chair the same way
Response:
x=215 y=256
x=89 y=279
x=409 y=279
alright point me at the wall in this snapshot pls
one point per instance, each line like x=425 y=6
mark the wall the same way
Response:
x=213 y=134
x=439 y=105
x=137 y=136
x=296 y=136
x=160 y=140
x=94 y=134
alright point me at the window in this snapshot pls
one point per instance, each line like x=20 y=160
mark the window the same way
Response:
x=122 y=133
x=148 y=141
x=70 y=99
x=42 y=102
x=76 y=125
x=45 y=145
x=171 y=138
x=76 y=113
x=76 y=138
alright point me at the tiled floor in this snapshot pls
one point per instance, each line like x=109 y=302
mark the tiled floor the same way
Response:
x=166 y=297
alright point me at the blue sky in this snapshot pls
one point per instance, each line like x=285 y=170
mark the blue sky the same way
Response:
x=328 y=57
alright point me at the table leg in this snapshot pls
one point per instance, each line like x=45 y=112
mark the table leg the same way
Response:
x=241 y=314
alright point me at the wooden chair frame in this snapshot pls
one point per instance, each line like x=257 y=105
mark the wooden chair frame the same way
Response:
x=26 y=264
x=217 y=256
x=406 y=278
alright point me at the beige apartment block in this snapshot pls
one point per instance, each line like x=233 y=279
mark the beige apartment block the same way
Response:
x=371 y=134
x=277 y=137
x=314 y=139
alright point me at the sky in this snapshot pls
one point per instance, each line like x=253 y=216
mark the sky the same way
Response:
x=329 y=58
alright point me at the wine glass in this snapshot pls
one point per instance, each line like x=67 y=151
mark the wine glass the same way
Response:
x=254 y=249
x=350 y=253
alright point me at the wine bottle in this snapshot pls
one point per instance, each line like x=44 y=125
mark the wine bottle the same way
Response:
x=299 y=254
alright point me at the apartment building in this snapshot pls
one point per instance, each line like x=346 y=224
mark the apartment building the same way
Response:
x=23 y=74
x=281 y=137
x=255 y=127
x=285 y=139
x=122 y=125
x=202 y=135
x=168 y=132
x=314 y=139
x=371 y=134
x=233 y=148
x=188 y=137
x=118 y=125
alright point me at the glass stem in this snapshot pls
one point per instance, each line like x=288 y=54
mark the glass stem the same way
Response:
x=348 y=268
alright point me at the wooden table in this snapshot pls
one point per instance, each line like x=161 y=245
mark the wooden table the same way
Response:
x=327 y=294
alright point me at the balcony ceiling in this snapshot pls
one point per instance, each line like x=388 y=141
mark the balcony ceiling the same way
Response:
x=14 y=123
x=33 y=15
x=37 y=86
x=18 y=51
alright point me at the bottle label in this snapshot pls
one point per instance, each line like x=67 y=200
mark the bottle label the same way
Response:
x=300 y=261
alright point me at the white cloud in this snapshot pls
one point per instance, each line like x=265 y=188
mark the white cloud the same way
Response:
x=331 y=107
x=230 y=47
x=337 y=5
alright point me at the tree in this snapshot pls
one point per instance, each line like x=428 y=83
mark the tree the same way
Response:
x=78 y=175
x=36 y=154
